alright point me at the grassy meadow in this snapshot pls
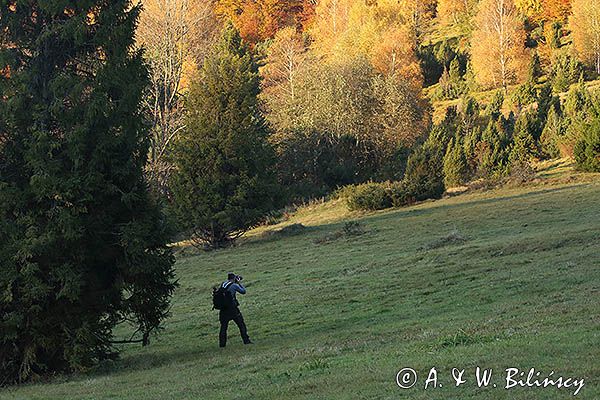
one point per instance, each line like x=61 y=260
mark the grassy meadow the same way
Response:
x=507 y=277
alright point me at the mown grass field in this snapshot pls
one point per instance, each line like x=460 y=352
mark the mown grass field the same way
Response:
x=496 y=279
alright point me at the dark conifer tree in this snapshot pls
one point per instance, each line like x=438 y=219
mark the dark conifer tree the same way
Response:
x=524 y=146
x=82 y=248
x=455 y=164
x=224 y=181
x=494 y=108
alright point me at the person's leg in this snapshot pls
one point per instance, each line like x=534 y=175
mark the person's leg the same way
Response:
x=224 y=319
x=239 y=321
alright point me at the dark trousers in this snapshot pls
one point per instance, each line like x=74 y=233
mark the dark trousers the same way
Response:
x=232 y=315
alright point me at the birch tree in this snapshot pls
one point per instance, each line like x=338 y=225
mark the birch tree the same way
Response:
x=498 y=49
x=585 y=27
x=173 y=33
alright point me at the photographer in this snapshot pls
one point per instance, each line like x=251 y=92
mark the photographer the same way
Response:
x=232 y=285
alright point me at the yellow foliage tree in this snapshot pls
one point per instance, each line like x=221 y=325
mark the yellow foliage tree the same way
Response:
x=452 y=11
x=498 y=52
x=381 y=31
x=330 y=23
x=530 y=8
x=394 y=54
x=585 y=28
x=286 y=62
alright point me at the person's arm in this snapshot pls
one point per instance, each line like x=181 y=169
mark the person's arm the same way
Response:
x=239 y=288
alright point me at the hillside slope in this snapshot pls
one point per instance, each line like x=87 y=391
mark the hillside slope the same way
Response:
x=497 y=279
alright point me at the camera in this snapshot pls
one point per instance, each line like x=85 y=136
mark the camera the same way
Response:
x=238 y=278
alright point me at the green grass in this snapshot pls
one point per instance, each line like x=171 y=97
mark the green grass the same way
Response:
x=497 y=279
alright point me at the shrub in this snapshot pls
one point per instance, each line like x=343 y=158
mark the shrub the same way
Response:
x=587 y=149
x=400 y=194
x=368 y=196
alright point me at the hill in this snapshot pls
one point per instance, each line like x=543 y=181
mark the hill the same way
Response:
x=501 y=278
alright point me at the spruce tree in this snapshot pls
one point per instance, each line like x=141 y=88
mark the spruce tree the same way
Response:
x=424 y=176
x=456 y=80
x=524 y=144
x=494 y=108
x=224 y=181
x=82 y=248
x=553 y=131
x=455 y=164
x=494 y=148
x=535 y=68
x=587 y=149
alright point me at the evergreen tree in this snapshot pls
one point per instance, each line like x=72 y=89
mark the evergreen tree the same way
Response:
x=564 y=71
x=456 y=79
x=424 y=177
x=455 y=164
x=493 y=149
x=494 y=108
x=469 y=112
x=224 y=181
x=523 y=96
x=82 y=247
x=587 y=149
x=471 y=148
x=535 y=68
x=552 y=133
x=545 y=101
x=524 y=143
x=444 y=86
x=441 y=133
x=451 y=83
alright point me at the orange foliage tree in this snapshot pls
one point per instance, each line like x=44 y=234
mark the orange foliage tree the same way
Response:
x=557 y=10
x=258 y=20
x=394 y=54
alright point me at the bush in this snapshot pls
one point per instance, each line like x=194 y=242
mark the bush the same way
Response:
x=587 y=149
x=400 y=194
x=368 y=196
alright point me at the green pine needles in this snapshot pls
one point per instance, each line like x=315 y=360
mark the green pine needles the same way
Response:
x=82 y=246
x=224 y=181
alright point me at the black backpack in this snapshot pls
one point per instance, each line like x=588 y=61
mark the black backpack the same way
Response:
x=222 y=298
